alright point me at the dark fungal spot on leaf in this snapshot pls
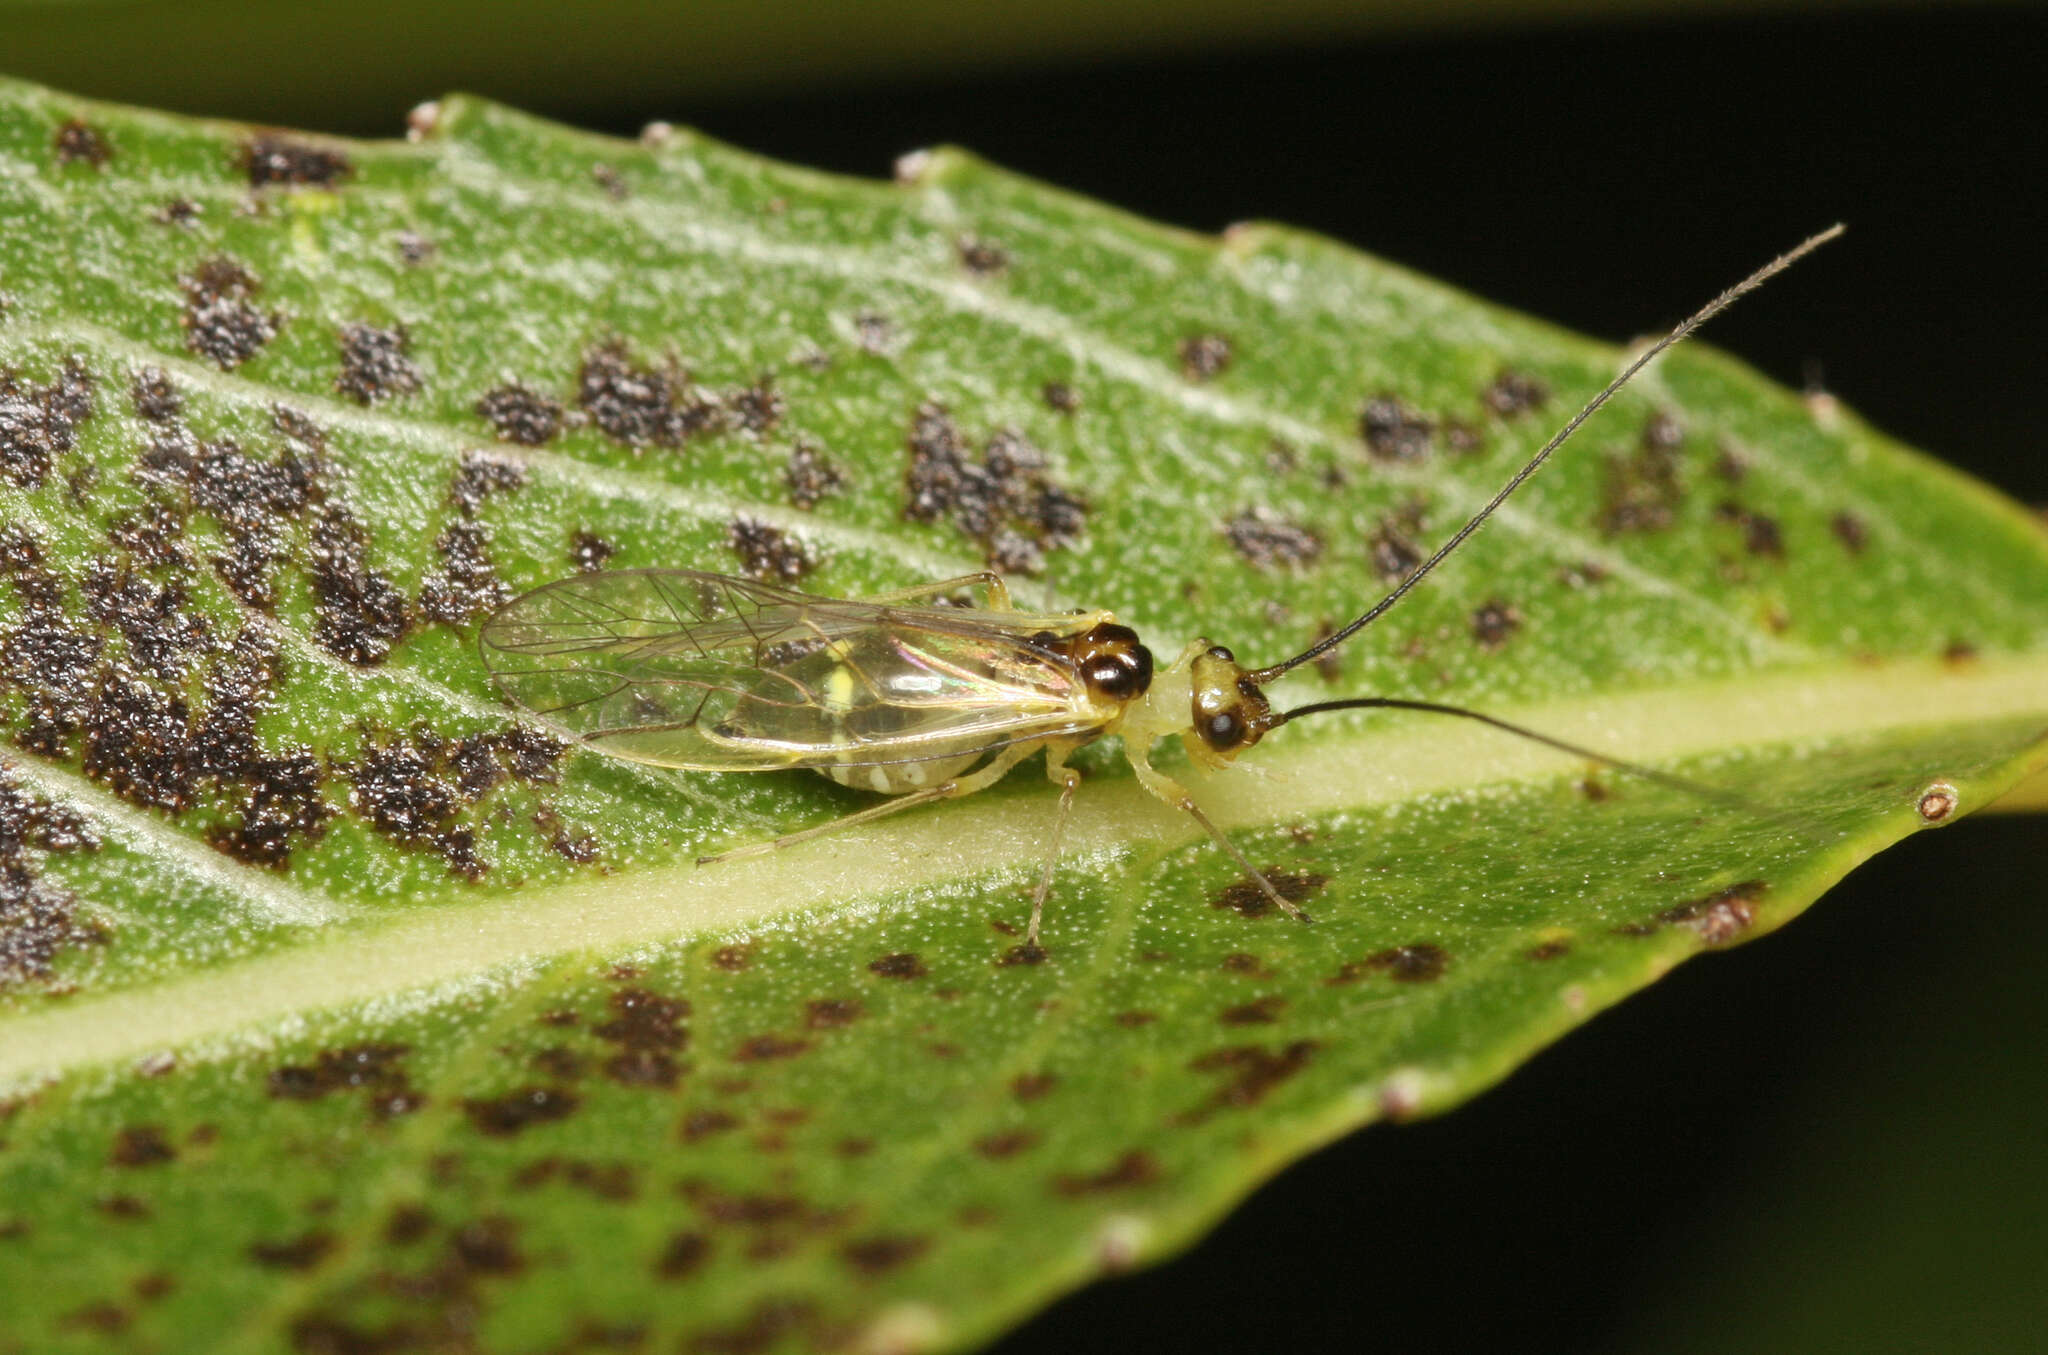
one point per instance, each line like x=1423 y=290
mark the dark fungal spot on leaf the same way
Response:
x=481 y=475
x=702 y=1124
x=465 y=584
x=1266 y=539
x=1731 y=466
x=1259 y=1012
x=177 y=212
x=981 y=257
x=489 y=1246
x=519 y=1110
x=874 y=333
x=1009 y=1143
x=1494 y=622
x=369 y=1068
x=642 y=406
x=1007 y=501
x=1512 y=394
x=1582 y=574
x=38 y=424
x=1060 y=397
x=1549 y=950
x=407 y=1224
x=1245 y=896
x=1761 y=534
x=809 y=477
x=359 y=614
x=772 y=1323
x=732 y=959
x=767 y=553
x=520 y=414
x=762 y=1048
x=1850 y=531
x=221 y=319
x=879 y=1255
x=1393 y=555
x=682 y=1256
x=558 y=1062
x=1024 y=954
x=298 y=1253
x=124 y=1208
x=143 y=1145
x=904 y=965
x=1133 y=1169
x=77 y=141
x=413 y=248
x=1032 y=1086
x=756 y=408
x=375 y=365
x=649 y=1029
x=1133 y=1020
x=108 y=1319
x=1252 y=1073
x=38 y=920
x=400 y=789
x=588 y=551
x=153 y=1286
x=156 y=400
x=276 y=159
x=831 y=1013
x=1641 y=492
x=1203 y=357
x=1420 y=962
x=1720 y=917
x=1394 y=432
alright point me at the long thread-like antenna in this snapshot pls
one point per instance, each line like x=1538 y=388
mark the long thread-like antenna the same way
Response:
x=1698 y=318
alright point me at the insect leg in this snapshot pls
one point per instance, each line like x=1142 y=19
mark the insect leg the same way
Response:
x=998 y=591
x=1055 y=767
x=1175 y=794
x=945 y=790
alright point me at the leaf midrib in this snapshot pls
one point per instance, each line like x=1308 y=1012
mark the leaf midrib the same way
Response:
x=1359 y=766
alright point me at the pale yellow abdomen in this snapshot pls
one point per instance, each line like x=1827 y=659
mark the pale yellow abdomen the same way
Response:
x=901 y=778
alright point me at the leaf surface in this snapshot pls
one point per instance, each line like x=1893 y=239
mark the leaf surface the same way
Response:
x=341 y=1010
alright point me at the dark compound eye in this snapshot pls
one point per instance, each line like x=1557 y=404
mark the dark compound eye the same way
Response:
x=1223 y=730
x=1114 y=678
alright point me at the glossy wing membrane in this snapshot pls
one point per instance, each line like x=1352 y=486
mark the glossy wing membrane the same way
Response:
x=689 y=669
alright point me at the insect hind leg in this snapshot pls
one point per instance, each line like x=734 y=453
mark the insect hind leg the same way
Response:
x=945 y=790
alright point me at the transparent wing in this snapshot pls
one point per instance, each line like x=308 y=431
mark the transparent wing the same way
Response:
x=689 y=669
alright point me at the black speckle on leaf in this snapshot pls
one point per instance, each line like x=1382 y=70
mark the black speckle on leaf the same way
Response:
x=143 y=1145
x=809 y=476
x=274 y=159
x=1204 y=357
x=520 y=1109
x=1420 y=962
x=1265 y=539
x=1394 y=432
x=642 y=406
x=522 y=415
x=766 y=552
x=900 y=966
x=375 y=365
x=1494 y=622
x=1252 y=1072
x=982 y=257
x=588 y=551
x=1245 y=896
x=221 y=319
x=1720 y=917
x=1512 y=394
x=78 y=142
x=1133 y=1169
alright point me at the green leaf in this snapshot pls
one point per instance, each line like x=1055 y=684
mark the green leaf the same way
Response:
x=340 y=1010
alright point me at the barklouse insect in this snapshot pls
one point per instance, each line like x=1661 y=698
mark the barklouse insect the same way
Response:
x=919 y=701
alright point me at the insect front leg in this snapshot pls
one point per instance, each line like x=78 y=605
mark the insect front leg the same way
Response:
x=1055 y=767
x=945 y=790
